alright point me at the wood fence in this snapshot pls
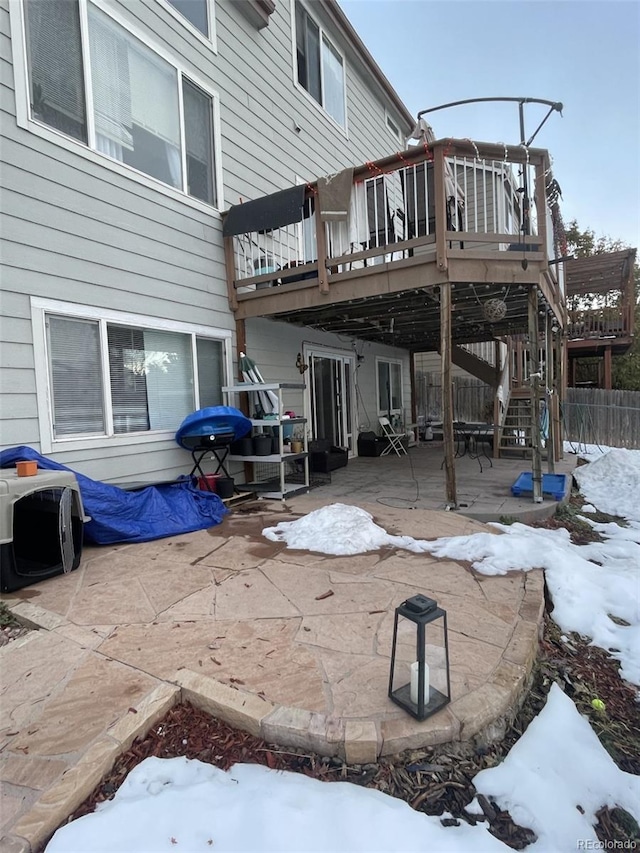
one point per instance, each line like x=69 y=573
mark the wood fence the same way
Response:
x=590 y=415
x=596 y=416
x=472 y=398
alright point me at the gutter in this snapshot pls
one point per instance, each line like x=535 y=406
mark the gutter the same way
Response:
x=339 y=17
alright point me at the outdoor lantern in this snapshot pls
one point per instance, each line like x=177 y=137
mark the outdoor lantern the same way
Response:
x=419 y=675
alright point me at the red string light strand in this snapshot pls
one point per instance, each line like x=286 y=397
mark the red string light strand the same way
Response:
x=403 y=159
x=372 y=166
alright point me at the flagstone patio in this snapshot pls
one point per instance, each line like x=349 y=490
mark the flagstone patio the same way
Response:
x=240 y=626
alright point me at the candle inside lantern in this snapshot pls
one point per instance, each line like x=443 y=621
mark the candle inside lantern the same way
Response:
x=414 y=683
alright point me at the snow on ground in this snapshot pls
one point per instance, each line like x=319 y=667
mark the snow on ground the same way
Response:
x=612 y=482
x=590 y=452
x=556 y=769
x=557 y=776
x=588 y=583
x=338 y=529
x=178 y=804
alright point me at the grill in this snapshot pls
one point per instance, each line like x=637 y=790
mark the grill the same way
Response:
x=200 y=442
x=211 y=430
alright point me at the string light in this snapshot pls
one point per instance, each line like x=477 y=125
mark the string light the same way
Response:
x=403 y=160
x=374 y=168
x=475 y=147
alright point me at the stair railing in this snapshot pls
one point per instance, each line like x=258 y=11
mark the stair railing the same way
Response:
x=501 y=400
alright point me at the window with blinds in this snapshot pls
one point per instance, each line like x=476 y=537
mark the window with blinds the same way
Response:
x=320 y=67
x=75 y=377
x=198 y=132
x=138 y=117
x=152 y=380
x=56 y=75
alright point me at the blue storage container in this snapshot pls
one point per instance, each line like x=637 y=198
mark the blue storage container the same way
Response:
x=552 y=484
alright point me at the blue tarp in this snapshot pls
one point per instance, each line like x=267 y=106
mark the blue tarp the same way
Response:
x=121 y=516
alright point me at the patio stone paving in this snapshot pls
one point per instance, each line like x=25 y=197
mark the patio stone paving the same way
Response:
x=243 y=627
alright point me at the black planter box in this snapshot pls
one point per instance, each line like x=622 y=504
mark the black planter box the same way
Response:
x=324 y=457
x=370 y=444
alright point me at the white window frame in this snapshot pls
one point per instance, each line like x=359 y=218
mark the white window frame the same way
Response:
x=40 y=308
x=25 y=120
x=323 y=35
x=390 y=361
x=210 y=40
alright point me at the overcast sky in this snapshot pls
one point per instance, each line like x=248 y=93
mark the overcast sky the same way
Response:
x=583 y=54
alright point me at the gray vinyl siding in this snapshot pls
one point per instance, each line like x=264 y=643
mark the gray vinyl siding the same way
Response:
x=279 y=364
x=75 y=229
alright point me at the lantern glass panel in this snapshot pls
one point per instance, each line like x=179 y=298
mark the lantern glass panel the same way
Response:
x=419 y=676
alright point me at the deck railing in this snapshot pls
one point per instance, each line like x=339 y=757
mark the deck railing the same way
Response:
x=588 y=323
x=449 y=199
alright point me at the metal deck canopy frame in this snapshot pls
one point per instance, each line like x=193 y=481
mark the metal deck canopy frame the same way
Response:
x=554 y=106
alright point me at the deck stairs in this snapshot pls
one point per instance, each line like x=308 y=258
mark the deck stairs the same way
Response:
x=515 y=431
x=475 y=365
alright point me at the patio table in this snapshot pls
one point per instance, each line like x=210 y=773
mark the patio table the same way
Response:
x=471 y=440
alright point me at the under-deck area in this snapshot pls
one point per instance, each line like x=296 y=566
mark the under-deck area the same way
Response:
x=417 y=481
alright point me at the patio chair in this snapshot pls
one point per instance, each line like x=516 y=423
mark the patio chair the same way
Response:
x=394 y=438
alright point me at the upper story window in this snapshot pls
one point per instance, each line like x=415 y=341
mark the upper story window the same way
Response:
x=196 y=12
x=320 y=67
x=393 y=127
x=104 y=87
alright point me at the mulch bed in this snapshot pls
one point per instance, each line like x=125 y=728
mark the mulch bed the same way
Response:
x=434 y=780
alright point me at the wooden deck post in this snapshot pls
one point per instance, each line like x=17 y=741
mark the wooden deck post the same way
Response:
x=230 y=265
x=412 y=380
x=607 y=368
x=534 y=377
x=241 y=344
x=321 y=246
x=561 y=389
x=447 y=395
x=540 y=199
x=551 y=396
x=440 y=207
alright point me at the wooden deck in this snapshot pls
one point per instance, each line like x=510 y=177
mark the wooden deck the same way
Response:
x=601 y=302
x=444 y=215
x=601 y=313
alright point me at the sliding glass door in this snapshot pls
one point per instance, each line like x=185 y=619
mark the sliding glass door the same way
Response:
x=331 y=396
